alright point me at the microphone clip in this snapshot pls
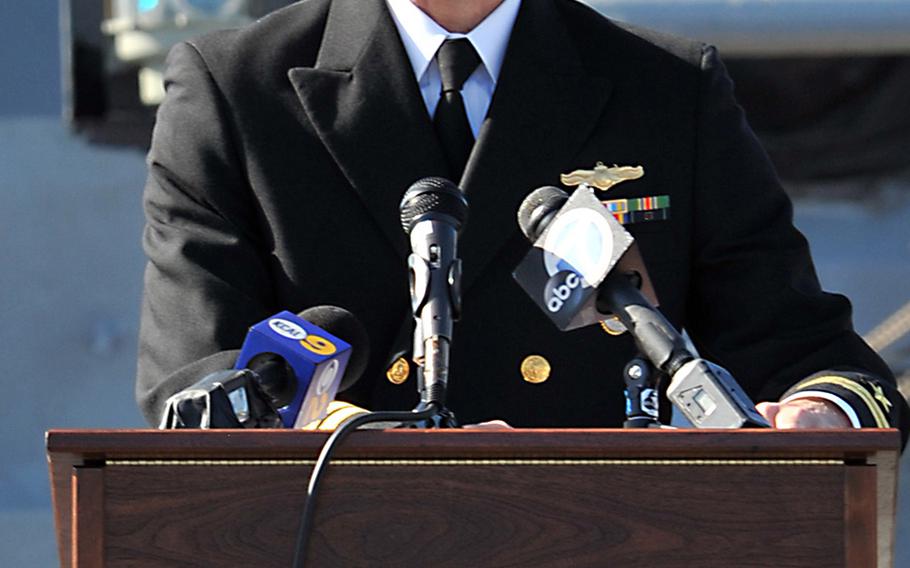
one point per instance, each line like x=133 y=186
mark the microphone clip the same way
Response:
x=642 y=401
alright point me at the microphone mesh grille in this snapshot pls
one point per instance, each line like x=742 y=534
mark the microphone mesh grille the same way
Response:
x=432 y=195
x=536 y=206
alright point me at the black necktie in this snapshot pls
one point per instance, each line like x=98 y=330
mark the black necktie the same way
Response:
x=457 y=60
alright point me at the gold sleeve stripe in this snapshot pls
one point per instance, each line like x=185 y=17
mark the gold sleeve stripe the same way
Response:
x=881 y=421
x=337 y=413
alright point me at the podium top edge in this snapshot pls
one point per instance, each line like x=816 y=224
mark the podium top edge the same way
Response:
x=517 y=443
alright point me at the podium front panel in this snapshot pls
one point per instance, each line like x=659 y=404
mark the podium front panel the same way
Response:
x=531 y=498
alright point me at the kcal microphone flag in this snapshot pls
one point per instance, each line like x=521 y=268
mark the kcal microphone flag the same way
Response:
x=317 y=358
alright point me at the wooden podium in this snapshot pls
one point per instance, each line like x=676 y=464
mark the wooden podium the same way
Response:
x=467 y=498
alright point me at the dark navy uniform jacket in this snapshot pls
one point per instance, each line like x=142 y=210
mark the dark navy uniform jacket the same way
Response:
x=282 y=150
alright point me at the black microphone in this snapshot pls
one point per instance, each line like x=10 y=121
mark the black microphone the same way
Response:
x=573 y=273
x=433 y=210
x=289 y=369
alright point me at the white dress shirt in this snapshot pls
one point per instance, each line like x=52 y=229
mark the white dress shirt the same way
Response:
x=422 y=37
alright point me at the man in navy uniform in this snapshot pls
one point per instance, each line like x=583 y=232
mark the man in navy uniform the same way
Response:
x=282 y=150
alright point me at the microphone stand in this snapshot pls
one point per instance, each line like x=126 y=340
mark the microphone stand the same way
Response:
x=433 y=210
x=432 y=359
x=435 y=284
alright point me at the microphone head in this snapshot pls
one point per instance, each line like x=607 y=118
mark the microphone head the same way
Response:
x=538 y=209
x=433 y=198
x=344 y=325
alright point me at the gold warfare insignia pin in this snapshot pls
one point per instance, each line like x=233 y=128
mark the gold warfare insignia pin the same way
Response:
x=399 y=371
x=602 y=177
x=535 y=369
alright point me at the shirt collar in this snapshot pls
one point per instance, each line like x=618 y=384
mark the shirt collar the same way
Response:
x=422 y=36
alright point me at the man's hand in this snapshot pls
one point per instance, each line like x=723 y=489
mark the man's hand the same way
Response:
x=804 y=413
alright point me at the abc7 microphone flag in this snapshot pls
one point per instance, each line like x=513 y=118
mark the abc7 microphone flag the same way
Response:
x=317 y=358
x=571 y=258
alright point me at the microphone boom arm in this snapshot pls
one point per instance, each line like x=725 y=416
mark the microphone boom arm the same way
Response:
x=705 y=393
x=653 y=334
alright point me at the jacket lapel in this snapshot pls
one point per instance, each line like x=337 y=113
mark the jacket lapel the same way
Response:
x=545 y=106
x=364 y=102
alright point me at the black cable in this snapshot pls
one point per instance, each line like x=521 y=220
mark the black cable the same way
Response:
x=346 y=427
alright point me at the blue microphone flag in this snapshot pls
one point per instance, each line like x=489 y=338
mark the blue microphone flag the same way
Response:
x=317 y=358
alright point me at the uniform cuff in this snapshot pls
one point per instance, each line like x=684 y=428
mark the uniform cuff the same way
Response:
x=864 y=396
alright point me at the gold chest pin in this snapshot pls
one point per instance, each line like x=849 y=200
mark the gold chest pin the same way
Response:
x=399 y=371
x=602 y=177
x=535 y=369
